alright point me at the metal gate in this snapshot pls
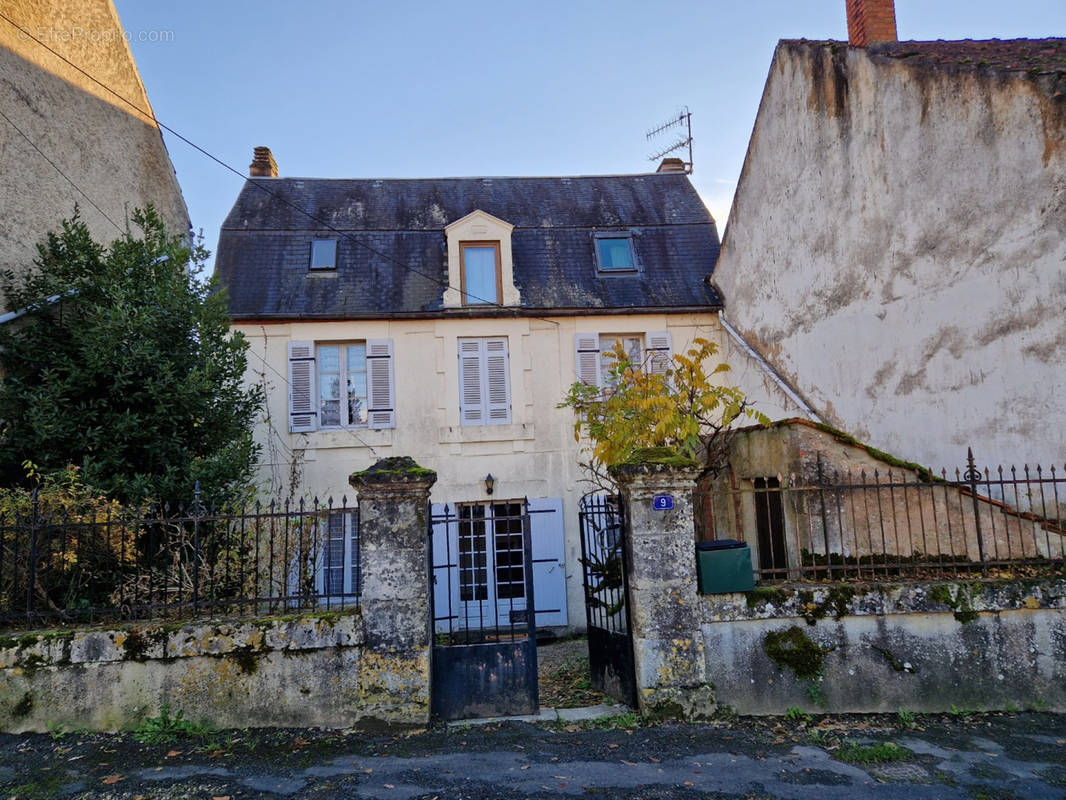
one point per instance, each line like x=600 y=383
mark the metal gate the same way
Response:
x=605 y=570
x=484 y=660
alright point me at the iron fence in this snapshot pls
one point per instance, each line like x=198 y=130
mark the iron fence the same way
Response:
x=900 y=524
x=64 y=565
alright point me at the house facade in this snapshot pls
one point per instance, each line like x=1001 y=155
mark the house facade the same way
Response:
x=67 y=140
x=445 y=319
x=896 y=244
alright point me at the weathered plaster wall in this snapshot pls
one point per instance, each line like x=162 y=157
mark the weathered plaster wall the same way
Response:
x=313 y=670
x=896 y=248
x=919 y=647
x=110 y=151
x=535 y=456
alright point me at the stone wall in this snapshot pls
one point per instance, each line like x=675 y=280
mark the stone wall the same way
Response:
x=919 y=647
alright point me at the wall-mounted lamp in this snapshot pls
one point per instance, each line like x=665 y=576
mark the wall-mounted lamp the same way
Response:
x=490 y=482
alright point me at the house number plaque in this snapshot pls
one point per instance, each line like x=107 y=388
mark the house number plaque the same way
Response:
x=662 y=502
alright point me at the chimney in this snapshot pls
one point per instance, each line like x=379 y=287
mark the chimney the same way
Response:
x=871 y=21
x=672 y=165
x=263 y=164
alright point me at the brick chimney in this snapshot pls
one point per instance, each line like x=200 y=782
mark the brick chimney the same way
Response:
x=671 y=165
x=871 y=21
x=263 y=164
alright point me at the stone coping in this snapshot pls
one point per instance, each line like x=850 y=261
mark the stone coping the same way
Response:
x=963 y=598
x=165 y=641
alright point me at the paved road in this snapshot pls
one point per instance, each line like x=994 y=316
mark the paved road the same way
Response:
x=994 y=757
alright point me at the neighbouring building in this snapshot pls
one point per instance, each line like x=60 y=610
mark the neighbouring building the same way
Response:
x=897 y=241
x=65 y=137
x=444 y=319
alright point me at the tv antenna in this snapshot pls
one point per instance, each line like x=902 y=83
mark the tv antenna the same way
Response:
x=684 y=118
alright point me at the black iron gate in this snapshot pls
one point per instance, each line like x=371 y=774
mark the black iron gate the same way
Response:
x=605 y=568
x=484 y=660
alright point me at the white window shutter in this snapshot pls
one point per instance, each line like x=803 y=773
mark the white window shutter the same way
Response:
x=303 y=415
x=587 y=346
x=659 y=352
x=380 y=384
x=471 y=396
x=498 y=382
x=549 y=566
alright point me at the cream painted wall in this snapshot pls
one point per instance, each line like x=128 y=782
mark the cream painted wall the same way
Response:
x=110 y=151
x=896 y=249
x=535 y=456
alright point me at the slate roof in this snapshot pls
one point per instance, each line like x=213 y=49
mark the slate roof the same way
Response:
x=392 y=251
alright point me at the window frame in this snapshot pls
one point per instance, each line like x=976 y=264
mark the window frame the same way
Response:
x=342 y=376
x=463 y=247
x=311 y=259
x=601 y=269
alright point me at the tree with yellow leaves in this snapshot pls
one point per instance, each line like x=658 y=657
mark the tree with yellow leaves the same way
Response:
x=677 y=405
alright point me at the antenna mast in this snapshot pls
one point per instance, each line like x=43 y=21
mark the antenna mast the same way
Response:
x=684 y=118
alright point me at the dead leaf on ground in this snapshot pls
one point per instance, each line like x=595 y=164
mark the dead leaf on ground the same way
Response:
x=628 y=763
x=173 y=753
x=111 y=780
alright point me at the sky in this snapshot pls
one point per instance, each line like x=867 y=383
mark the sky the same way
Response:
x=429 y=89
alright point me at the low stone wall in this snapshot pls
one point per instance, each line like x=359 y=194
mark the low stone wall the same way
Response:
x=304 y=670
x=919 y=647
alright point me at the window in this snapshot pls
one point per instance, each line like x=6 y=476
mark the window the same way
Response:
x=341 y=574
x=341 y=385
x=484 y=382
x=614 y=252
x=323 y=254
x=594 y=367
x=480 y=272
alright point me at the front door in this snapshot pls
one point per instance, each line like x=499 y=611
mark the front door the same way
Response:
x=492 y=585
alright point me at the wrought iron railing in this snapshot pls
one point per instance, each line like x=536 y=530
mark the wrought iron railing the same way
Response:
x=65 y=566
x=900 y=523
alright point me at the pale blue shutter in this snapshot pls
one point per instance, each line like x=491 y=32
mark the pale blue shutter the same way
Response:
x=497 y=381
x=445 y=567
x=303 y=416
x=471 y=396
x=380 y=384
x=549 y=562
x=587 y=358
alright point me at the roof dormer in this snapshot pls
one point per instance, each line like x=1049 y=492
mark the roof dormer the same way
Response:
x=480 y=268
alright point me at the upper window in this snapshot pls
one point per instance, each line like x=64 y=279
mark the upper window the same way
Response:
x=651 y=351
x=614 y=252
x=633 y=347
x=342 y=385
x=480 y=272
x=484 y=383
x=323 y=254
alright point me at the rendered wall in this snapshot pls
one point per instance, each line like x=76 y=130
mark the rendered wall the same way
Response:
x=896 y=248
x=107 y=149
x=535 y=456
x=310 y=670
x=917 y=647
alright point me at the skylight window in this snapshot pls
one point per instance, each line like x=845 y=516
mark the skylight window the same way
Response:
x=323 y=254
x=614 y=253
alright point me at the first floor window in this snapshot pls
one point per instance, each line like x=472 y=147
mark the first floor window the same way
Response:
x=594 y=365
x=484 y=382
x=341 y=385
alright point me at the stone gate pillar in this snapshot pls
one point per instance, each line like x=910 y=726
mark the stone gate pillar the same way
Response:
x=394 y=666
x=664 y=617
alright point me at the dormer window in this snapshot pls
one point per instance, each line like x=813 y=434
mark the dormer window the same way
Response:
x=480 y=273
x=614 y=252
x=323 y=254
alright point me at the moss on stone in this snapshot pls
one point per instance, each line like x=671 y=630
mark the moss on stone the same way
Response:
x=837 y=601
x=960 y=601
x=246 y=658
x=793 y=649
x=31 y=663
x=895 y=663
x=396 y=469
x=653 y=459
x=135 y=647
x=766 y=594
x=23 y=707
